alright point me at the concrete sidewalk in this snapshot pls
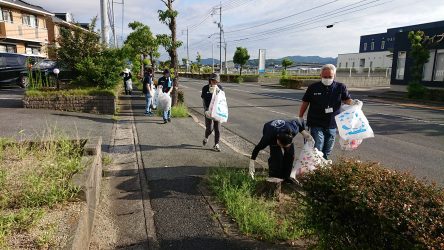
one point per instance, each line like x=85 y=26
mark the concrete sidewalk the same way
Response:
x=175 y=164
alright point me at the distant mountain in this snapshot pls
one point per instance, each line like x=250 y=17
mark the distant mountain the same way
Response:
x=272 y=62
x=209 y=61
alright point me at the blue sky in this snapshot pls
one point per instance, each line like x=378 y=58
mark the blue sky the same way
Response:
x=305 y=36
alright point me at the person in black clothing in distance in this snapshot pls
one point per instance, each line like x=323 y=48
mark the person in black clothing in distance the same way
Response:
x=167 y=87
x=127 y=82
x=148 y=90
x=210 y=124
x=278 y=135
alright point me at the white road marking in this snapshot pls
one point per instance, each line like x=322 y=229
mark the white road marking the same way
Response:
x=297 y=100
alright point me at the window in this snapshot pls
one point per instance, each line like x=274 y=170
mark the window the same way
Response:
x=428 y=67
x=30 y=20
x=439 y=66
x=372 y=46
x=6 y=15
x=353 y=65
x=383 y=45
x=346 y=65
x=365 y=46
x=340 y=65
x=401 y=65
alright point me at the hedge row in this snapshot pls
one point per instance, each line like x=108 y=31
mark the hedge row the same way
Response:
x=224 y=77
x=291 y=83
x=355 y=205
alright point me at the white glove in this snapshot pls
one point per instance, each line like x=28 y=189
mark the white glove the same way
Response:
x=251 y=168
x=307 y=136
x=207 y=114
x=356 y=102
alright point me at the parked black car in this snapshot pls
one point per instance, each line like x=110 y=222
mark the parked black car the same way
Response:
x=12 y=65
x=44 y=71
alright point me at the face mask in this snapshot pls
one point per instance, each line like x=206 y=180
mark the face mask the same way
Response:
x=327 y=81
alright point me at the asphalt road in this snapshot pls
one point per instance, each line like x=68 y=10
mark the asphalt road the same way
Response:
x=406 y=138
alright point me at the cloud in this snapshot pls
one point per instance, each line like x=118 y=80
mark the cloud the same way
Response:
x=308 y=36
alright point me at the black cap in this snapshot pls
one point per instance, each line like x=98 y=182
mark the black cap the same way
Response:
x=166 y=71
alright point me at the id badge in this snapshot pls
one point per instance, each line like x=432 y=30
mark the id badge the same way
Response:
x=328 y=110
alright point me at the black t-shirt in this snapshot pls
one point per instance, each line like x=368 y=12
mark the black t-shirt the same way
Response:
x=322 y=97
x=166 y=82
x=126 y=76
x=272 y=129
x=147 y=79
x=207 y=95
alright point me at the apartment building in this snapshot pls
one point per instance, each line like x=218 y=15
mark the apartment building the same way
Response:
x=23 y=28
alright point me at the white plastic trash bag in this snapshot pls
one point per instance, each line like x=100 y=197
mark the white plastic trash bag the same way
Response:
x=309 y=159
x=164 y=103
x=129 y=85
x=349 y=145
x=353 y=125
x=156 y=97
x=219 y=108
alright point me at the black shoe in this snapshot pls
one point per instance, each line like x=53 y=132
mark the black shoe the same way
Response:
x=169 y=119
x=165 y=121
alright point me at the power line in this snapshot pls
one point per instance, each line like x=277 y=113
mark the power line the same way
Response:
x=282 y=18
x=322 y=17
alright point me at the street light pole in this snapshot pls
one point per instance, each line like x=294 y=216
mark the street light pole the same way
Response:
x=188 y=54
x=212 y=53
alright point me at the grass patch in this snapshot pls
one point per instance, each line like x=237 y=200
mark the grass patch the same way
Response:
x=178 y=111
x=107 y=160
x=75 y=90
x=35 y=177
x=264 y=219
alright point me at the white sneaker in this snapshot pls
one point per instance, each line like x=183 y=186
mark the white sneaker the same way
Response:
x=216 y=148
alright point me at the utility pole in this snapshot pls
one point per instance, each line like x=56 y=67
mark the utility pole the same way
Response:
x=123 y=15
x=212 y=53
x=220 y=37
x=113 y=28
x=188 y=54
x=225 y=67
x=104 y=22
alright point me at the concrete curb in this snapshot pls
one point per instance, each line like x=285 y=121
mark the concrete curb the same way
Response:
x=153 y=243
x=89 y=183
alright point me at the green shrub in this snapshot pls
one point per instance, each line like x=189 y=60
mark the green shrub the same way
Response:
x=356 y=205
x=103 y=69
x=71 y=92
x=291 y=83
x=416 y=91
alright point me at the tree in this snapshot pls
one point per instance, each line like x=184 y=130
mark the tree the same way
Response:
x=142 y=42
x=420 y=55
x=184 y=61
x=241 y=57
x=198 y=61
x=169 y=42
x=286 y=63
x=76 y=44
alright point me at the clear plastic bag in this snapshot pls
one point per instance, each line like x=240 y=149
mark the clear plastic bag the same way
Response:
x=309 y=159
x=164 y=103
x=352 y=124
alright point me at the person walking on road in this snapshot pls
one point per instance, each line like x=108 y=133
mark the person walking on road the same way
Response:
x=323 y=100
x=148 y=90
x=210 y=124
x=167 y=87
x=278 y=135
x=127 y=82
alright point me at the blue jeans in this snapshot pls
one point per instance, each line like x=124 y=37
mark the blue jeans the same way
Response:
x=324 y=139
x=148 y=99
x=167 y=114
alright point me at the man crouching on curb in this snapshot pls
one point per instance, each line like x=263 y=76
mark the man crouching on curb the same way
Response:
x=279 y=134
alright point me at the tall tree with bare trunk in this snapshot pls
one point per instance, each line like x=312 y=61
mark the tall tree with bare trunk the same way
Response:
x=170 y=43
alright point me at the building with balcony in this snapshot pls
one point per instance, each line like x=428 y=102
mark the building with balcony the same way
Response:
x=23 y=28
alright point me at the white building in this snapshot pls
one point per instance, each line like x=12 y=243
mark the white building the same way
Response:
x=362 y=61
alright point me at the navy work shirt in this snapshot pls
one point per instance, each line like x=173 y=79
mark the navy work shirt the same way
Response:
x=166 y=82
x=207 y=95
x=272 y=129
x=147 y=79
x=322 y=97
